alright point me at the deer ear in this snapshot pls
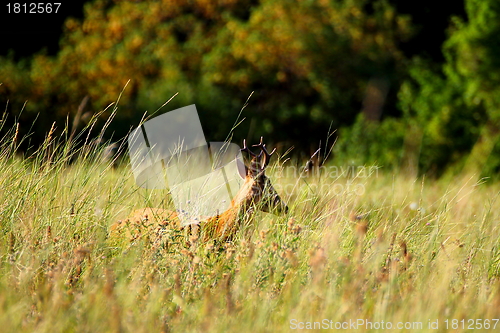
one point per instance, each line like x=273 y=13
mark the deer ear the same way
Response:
x=240 y=164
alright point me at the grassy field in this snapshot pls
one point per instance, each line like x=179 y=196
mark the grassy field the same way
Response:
x=359 y=253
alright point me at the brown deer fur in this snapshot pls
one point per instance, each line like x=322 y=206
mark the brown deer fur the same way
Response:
x=256 y=192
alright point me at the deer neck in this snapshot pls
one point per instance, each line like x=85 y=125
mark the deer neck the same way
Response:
x=242 y=208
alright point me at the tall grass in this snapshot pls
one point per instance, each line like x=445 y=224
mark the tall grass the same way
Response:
x=381 y=247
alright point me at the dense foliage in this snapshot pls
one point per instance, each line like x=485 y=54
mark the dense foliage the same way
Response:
x=314 y=67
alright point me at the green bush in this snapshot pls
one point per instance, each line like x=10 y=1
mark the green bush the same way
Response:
x=372 y=143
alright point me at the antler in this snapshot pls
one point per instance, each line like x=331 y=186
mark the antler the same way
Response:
x=266 y=155
x=247 y=150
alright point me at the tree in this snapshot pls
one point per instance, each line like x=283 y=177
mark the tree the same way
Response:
x=457 y=105
x=308 y=62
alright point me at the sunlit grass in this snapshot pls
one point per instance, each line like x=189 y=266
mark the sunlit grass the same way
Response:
x=377 y=247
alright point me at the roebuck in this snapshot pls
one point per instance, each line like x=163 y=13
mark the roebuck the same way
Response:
x=256 y=193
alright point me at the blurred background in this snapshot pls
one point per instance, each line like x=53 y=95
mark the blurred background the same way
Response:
x=400 y=84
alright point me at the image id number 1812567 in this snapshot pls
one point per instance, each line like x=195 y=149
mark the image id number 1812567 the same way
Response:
x=33 y=7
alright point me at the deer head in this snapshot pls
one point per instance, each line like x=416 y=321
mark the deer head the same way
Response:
x=258 y=190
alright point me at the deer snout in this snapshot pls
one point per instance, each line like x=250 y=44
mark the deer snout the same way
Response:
x=282 y=208
x=276 y=206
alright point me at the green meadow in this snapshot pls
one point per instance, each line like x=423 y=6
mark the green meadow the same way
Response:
x=368 y=250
